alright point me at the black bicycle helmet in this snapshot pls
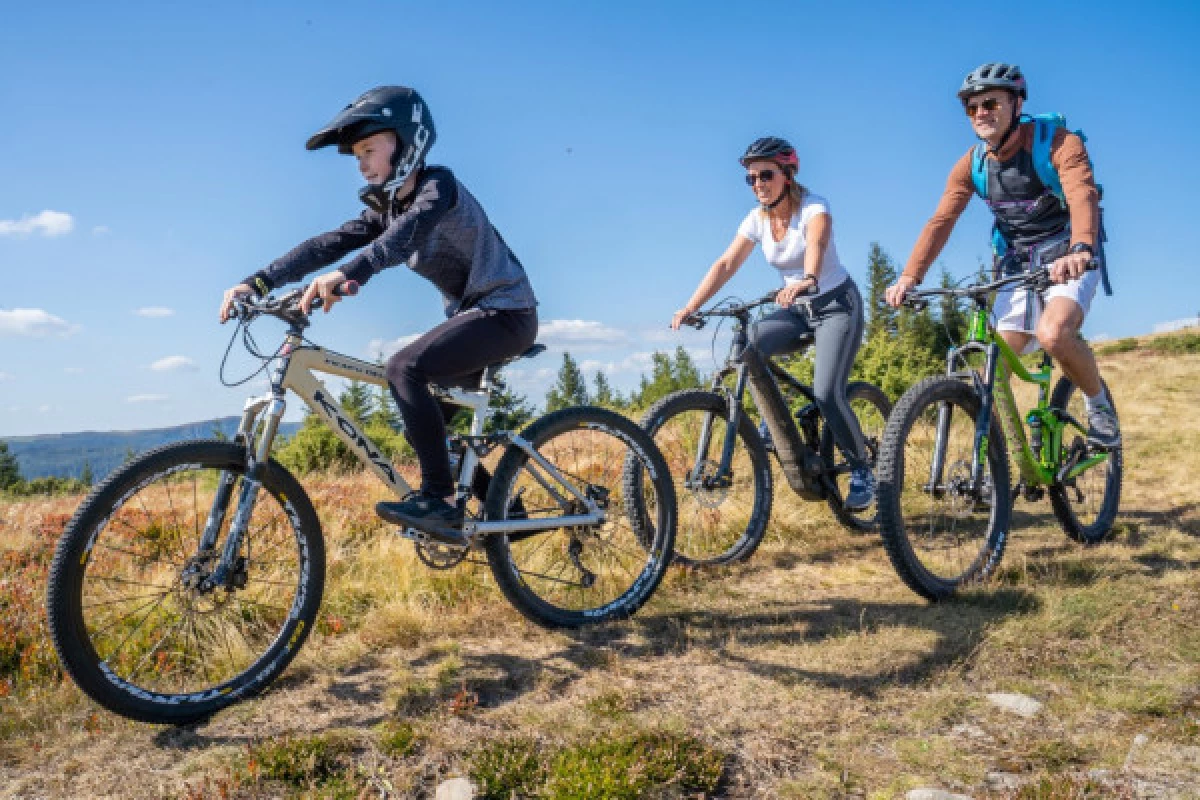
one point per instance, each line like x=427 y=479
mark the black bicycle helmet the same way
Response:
x=993 y=75
x=385 y=108
x=771 y=148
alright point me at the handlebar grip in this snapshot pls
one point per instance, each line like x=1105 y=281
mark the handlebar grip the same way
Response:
x=694 y=322
x=343 y=289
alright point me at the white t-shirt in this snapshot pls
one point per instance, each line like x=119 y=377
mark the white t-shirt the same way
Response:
x=787 y=255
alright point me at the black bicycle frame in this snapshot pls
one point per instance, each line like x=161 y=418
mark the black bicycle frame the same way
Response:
x=801 y=464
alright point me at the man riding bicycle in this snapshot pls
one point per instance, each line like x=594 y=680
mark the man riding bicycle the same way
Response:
x=1036 y=223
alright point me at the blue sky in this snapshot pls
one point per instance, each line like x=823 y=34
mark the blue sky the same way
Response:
x=151 y=154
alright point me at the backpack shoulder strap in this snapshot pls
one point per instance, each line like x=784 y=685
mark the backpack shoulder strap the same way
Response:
x=1044 y=128
x=979 y=170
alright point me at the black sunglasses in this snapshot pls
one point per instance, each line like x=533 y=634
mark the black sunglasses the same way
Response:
x=990 y=104
x=766 y=176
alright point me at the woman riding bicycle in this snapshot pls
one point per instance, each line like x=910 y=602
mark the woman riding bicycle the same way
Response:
x=818 y=299
x=424 y=217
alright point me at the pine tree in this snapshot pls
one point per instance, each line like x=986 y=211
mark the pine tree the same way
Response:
x=684 y=371
x=510 y=411
x=10 y=469
x=85 y=476
x=667 y=375
x=570 y=389
x=954 y=321
x=604 y=394
x=385 y=411
x=357 y=401
x=881 y=273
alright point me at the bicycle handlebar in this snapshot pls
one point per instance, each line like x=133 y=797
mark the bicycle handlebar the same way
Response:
x=286 y=307
x=1035 y=279
x=699 y=319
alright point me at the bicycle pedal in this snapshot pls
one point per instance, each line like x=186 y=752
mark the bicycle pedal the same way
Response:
x=447 y=538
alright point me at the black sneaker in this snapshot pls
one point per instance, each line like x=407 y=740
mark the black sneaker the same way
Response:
x=428 y=514
x=1103 y=429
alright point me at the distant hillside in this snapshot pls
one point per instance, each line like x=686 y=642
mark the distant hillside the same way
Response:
x=63 y=455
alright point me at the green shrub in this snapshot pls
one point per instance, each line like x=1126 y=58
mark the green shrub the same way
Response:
x=634 y=766
x=508 y=768
x=303 y=762
x=397 y=739
x=1119 y=346
x=1176 y=344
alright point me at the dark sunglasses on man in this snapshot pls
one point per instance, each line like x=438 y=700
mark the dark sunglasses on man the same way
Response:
x=990 y=104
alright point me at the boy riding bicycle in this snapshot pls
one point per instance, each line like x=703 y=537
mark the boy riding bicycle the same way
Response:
x=424 y=217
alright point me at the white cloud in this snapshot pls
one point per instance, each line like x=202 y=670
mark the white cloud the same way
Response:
x=174 y=363
x=100 y=230
x=4 y=376
x=1099 y=337
x=44 y=409
x=154 y=312
x=385 y=349
x=146 y=398
x=1176 y=324
x=46 y=223
x=34 y=322
x=579 y=334
x=74 y=370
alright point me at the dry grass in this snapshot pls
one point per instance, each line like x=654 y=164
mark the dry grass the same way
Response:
x=808 y=672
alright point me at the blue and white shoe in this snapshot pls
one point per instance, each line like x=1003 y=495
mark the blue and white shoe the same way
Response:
x=862 y=490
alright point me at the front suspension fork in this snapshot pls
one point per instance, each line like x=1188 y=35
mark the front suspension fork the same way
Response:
x=257 y=454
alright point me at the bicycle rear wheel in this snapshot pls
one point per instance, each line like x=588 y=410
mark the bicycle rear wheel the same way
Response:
x=575 y=576
x=1086 y=505
x=127 y=613
x=722 y=518
x=872 y=407
x=940 y=535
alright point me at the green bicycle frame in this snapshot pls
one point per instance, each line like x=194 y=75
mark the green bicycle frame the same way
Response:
x=1040 y=466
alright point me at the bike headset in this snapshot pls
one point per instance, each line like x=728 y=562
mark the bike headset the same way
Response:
x=778 y=150
x=398 y=109
x=996 y=75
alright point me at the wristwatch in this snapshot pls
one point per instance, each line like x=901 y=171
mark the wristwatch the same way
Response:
x=1082 y=247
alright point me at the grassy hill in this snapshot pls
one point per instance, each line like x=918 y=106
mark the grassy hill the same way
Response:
x=808 y=672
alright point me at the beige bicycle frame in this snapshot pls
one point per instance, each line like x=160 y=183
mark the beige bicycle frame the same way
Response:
x=296 y=364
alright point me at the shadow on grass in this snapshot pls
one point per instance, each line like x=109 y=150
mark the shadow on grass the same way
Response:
x=498 y=678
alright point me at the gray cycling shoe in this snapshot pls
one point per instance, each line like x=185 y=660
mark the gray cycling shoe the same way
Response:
x=862 y=490
x=430 y=515
x=1103 y=429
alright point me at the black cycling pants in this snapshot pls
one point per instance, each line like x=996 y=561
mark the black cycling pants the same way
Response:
x=453 y=354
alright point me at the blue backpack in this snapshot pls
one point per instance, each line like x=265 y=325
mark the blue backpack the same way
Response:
x=1044 y=129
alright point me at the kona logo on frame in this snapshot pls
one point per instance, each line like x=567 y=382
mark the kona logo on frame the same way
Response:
x=360 y=441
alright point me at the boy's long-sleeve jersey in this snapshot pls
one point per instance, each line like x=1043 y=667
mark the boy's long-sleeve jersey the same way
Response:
x=442 y=234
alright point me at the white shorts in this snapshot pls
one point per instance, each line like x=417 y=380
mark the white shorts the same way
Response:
x=1020 y=309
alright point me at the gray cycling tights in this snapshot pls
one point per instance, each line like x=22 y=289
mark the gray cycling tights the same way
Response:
x=836 y=321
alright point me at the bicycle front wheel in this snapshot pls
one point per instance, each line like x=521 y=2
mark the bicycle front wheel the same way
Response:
x=574 y=576
x=940 y=531
x=128 y=611
x=722 y=516
x=1086 y=505
x=871 y=407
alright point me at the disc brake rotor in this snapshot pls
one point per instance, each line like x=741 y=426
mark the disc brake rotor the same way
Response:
x=705 y=490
